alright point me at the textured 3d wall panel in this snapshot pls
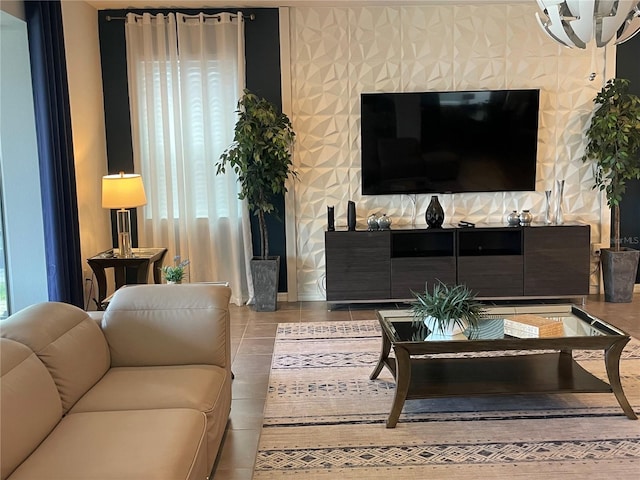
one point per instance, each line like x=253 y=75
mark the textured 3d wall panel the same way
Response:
x=339 y=53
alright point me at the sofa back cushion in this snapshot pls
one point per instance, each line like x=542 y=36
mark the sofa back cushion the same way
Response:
x=67 y=341
x=148 y=325
x=29 y=404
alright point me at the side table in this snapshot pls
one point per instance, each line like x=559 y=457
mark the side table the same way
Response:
x=140 y=262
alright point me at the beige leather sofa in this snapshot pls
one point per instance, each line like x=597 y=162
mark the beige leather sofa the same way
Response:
x=143 y=393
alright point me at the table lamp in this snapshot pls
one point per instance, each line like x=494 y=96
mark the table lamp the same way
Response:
x=123 y=191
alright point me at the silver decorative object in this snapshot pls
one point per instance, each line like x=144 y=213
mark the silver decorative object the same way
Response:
x=559 y=193
x=548 y=220
x=384 y=222
x=525 y=218
x=372 y=222
x=513 y=219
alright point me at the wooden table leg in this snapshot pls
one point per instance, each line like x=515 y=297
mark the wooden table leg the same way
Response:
x=403 y=379
x=120 y=274
x=565 y=363
x=612 y=362
x=384 y=356
x=142 y=273
x=101 y=279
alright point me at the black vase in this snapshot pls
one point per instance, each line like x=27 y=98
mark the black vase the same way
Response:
x=351 y=216
x=331 y=226
x=435 y=214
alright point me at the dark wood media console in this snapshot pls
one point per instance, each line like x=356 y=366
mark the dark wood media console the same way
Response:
x=496 y=262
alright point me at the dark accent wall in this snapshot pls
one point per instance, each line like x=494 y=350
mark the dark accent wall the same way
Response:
x=628 y=66
x=262 y=50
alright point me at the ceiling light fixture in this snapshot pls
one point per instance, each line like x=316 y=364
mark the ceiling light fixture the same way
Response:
x=574 y=23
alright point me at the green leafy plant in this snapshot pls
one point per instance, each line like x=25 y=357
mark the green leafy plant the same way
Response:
x=614 y=144
x=448 y=304
x=175 y=273
x=261 y=157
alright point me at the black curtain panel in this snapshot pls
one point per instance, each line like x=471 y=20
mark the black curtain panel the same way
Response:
x=55 y=151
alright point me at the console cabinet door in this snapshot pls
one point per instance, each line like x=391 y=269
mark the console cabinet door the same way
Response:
x=492 y=276
x=418 y=273
x=490 y=261
x=358 y=265
x=557 y=260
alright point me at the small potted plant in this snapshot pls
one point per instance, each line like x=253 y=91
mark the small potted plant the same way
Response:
x=175 y=273
x=447 y=310
x=261 y=157
x=614 y=144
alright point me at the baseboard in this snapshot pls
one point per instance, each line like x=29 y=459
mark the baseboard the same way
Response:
x=283 y=296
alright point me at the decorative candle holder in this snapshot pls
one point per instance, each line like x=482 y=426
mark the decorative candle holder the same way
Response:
x=548 y=220
x=559 y=193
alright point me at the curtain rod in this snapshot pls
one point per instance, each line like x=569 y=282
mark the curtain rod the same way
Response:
x=251 y=16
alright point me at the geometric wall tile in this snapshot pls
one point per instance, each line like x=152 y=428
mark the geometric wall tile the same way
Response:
x=339 y=53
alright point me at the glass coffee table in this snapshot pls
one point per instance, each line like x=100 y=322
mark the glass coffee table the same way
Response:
x=529 y=364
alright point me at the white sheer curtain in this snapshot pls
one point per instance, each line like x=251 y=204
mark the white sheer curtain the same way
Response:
x=186 y=74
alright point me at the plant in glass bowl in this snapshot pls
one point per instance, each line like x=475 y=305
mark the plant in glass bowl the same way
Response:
x=175 y=273
x=447 y=310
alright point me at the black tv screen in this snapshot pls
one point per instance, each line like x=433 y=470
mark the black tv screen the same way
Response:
x=449 y=142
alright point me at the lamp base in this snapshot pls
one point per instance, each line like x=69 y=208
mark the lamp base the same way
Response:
x=124 y=234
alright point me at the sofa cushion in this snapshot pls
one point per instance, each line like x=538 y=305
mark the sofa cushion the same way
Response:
x=206 y=388
x=29 y=404
x=125 y=445
x=133 y=388
x=67 y=340
x=168 y=325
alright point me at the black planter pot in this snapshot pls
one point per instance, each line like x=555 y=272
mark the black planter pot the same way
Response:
x=619 y=274
x=265 y=283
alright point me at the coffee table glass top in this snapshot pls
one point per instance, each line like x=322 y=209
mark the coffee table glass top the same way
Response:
x=504 y=323
x=540 y=338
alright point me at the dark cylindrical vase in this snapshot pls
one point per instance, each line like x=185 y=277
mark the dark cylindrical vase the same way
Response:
x=435 y=214
x=351 y=216
x=331 y=226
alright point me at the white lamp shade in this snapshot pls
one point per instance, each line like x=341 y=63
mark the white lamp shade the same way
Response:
x=124 y=190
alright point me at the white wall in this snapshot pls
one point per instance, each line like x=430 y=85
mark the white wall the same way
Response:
x=15 y=8
x=338 y=53
x=82 y=50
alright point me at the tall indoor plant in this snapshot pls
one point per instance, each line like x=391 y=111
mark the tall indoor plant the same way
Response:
x=261 y=157
x=614 y=145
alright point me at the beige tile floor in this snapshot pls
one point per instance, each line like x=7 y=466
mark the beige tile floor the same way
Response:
x=252 y=337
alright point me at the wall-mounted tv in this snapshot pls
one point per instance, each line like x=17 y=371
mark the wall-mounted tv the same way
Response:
x=449 y=142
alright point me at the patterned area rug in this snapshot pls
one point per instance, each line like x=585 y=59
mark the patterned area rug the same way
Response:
x=324 y=419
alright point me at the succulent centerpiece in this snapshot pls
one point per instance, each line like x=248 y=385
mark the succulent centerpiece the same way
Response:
x=447 y=310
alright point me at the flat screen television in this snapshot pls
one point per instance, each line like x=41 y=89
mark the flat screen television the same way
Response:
x=449 y=142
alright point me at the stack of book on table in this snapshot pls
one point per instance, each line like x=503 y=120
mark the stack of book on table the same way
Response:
x=532 y=326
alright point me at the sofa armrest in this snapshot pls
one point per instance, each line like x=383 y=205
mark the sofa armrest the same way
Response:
x=169 y=325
